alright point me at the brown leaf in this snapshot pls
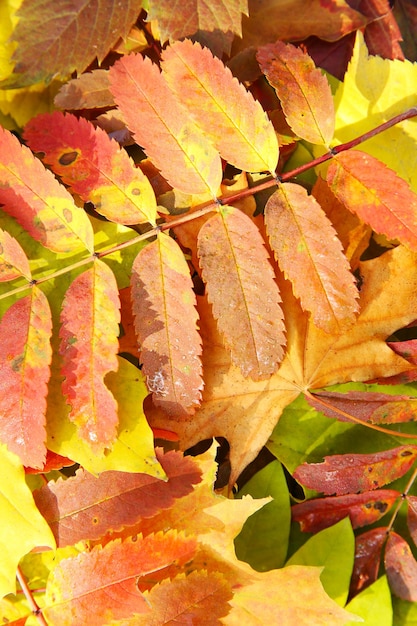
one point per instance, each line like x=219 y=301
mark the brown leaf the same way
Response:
x=412 y=517
x=401 y=568
x=88 y=91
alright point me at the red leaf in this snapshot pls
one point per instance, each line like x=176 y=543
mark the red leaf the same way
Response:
x=412 y=517
x=161 y=126
x=93 y=166
x=13 y=260
x=401 y=568
x=376 y=194
x=382 y=35
x=352 y=473
x=363 y=509
x=166 y=326
x=368 y=547
x=90 y=317
x=25 y=356
x=85 y=507
x=53 y=461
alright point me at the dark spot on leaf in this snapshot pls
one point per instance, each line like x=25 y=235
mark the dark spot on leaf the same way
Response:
x=406 y=453
x=16 y=364
x=68 y=158
x=135 y=192
x=380 y=506
x=134 y=538
x=368 y=505
x=370 y=470
x=95 y=520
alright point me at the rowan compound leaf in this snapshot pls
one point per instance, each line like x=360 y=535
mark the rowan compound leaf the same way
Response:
x=89 y=330
x=303 y=90
x=401 y=568
x=76 y=35
x=25 y=357
x=221 y=106
x=13 y=260
x=368 y=549
x=341 y=474
x=305 y=244
x=86 y=507
x=376 y=194
x=83 y=585
x=38 y=202
x=166 y=326
x=242 y=290
x=195 y=15
x=90 y=90
x=23 y=527
x=93 y=166
x=363 y=509
x=161 y=126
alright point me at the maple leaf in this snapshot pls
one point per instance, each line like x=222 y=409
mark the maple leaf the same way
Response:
x=75 y=36
x=245 y=412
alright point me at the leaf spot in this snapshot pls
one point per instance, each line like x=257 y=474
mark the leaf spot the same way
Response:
x=135 y=192
x=68 y=158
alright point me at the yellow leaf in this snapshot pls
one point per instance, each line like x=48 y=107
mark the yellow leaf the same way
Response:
x=22 y=526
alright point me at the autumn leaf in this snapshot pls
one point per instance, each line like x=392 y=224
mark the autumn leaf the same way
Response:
x=244 y=295
x=245 y=411
x=161 y=126
x=303 y=90
x=368 y=548
x=25 y=357
x=88 y=91
x=330 y=294
x=412 y=517
x=166 y=326
x=13 y=260
x=23 y=527
x=93 y=166
x=382 y=35
x=376 y=194
x=32 y=195
x=341 y=474
x=89 y=330
x=221 y=107
x=401 y=568
x=75 y=37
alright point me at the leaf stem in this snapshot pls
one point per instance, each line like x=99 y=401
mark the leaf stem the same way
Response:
x=37 y=612
x=401 y=500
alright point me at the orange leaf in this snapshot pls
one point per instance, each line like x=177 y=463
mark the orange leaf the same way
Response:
x=93 y=166
x=166 y=326
x=221 y=106
x=161 y=126
x=25 y=356
x=306 y=244
x=303 y=90
x=401 y=568
x=44 y=208
x=90 y=318
x=101 y=586
x=376 y=194
x=13 y=260
x=243 y=292
x=88 y=91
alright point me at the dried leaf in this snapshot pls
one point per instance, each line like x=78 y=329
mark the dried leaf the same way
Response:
x=243 y=292
x=161 y=126
x=221 y=106
x=13 y=260
x=303 y=90
x=166 y=326
x=368 y=548
x=93 y=166
x=306 y=244
x=44 y=208
x=88 y=91
x=376 y=194
x=74 y=37
x=363 y=509
x=89 y=329
x=341 y=474
x=401 y=568
x=25 y=356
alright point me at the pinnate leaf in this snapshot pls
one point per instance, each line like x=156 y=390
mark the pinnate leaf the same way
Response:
x=376 y=194
x=75 y=36
x=401 y=568
x=83 y=585
x=89 y=329
x=368 y=547
x=25 y=356
x=221 y=106
x=161 y=126
x=303 y=90
x=350 y=473
x=44 y=208
x=93 y=166
x=166 y=326
x=243 y=292
x=13 y=260
x=85 y=507
x=363 y=509
x=297 y=228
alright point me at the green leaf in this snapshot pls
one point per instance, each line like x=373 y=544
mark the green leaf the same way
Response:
x=334 y=549
x=263 y=540
x=405 y=613
x=373 y=604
